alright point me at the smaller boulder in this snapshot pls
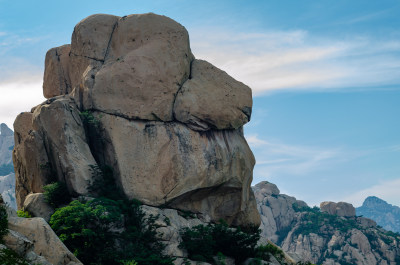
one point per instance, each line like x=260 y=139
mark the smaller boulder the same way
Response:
x=267 y=188
x=340 y=209
x=46 y=242
x=36 y=205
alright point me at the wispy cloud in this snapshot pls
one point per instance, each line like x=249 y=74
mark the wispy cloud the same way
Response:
x=296 y=60
x=386 y=190
x=10 y=41
x=283 y=159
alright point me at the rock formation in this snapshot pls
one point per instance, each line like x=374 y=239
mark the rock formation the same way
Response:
x=340 y=209
x=385 y=214
x=7 y=177
x=128 y=93
x=330 y=236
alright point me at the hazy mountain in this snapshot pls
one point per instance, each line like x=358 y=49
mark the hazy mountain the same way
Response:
x=7 y=176
x=383 y=213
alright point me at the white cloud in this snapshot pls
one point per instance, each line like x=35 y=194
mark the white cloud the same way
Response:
x=269 y=61
x=386 y=190
x=282 y=159
x=19 y=95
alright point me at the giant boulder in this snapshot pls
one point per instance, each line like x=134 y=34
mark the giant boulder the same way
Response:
x=170 y=126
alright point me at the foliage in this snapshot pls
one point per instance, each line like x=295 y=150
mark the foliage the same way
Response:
x=56 y=194
x=88 y=118
x=203 y=242
x=9 y=257
x=263 y=252
x=24 y=214
x=105 y=231
x=6 y=169
x=3 y=222
x=314 y=221
x=103 y=184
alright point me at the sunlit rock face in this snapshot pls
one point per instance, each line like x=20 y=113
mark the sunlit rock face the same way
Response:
x=170 y=126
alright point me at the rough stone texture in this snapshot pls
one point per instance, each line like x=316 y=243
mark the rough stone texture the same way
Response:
x=275 y=209
x=65 y=139
x=45 y=241
x=347 y=240
x=212 y=99
x=56 y=79
x=31 y=163
x=127 y=72
x=341 y=208
x=36 y=205
x=201 y=172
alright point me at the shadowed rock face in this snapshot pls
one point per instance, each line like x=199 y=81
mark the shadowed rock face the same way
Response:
x=169 y=125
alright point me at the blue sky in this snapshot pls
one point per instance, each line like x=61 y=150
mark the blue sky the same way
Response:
x=325 y=77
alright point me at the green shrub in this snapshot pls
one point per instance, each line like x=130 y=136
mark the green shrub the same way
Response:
x=23 y=214
x=104 y=231
x=3 y=222
x=103 y=183
x=264 y=251
x=9 y=257
x=56 y=194
x=203 y=242
x=88 y=118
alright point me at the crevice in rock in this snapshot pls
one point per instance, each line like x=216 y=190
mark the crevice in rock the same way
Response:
x=180 y=88
x=88 y=57
x=109 y=41
x=63 y=74
x=246 y=111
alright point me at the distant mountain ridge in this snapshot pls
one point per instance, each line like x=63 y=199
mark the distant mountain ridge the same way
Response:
x=383 y=213
x=7 y=176
x=330 y=235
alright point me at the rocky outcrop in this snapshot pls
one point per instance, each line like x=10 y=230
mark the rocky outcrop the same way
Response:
x=276 y=210
x=35 y=241
x=129 y=94
x=36 y=205
x=340 y=209
x=385 y=214
x=333 y=236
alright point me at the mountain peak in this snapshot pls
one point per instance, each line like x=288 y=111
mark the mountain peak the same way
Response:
x=5 y=131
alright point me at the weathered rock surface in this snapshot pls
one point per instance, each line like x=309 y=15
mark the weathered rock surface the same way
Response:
x=35 y=241
x=331 y=237
x=385 y=214
x=51 y=146
x=212 y=99
x=276 y=209
x=41 y=239
x=170 y=126
x=340 y=209
x=66 y=144
x=176 y=166
x=31 y=163
x=37 y=206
